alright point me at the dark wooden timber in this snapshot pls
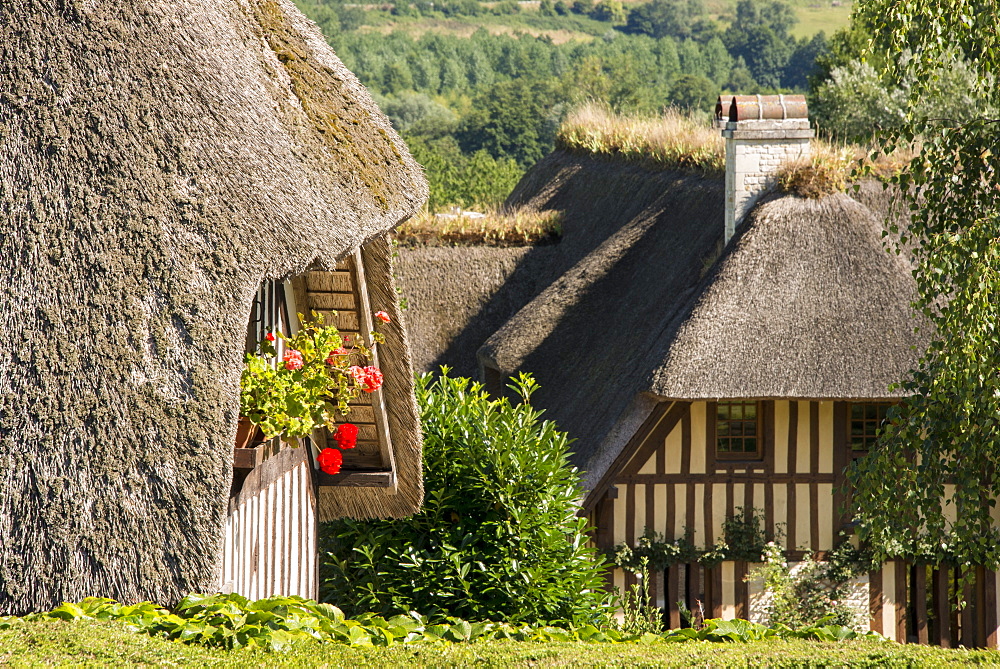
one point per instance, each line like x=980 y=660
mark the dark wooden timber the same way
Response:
x=356 y=479
x=920 y=603
x=875 y=600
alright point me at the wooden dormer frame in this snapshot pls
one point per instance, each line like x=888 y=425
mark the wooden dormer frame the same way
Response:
x=345 y=291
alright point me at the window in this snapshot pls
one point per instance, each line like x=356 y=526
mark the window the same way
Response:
x=737 y=434
x=864 y=422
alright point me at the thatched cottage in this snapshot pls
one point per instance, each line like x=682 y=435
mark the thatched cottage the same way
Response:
x=715 y=347
x=170 y=171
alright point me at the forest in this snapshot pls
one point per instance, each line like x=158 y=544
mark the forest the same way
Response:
x=478 y=109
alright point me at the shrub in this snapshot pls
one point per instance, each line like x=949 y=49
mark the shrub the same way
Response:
x=498 y=537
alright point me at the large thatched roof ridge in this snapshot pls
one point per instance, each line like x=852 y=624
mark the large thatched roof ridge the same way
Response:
x=158 y=160
x=804 y=302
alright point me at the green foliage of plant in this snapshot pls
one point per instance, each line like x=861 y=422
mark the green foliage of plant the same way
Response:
x=91 y=643
x=456 y=178
x=939 y=451
x=639 y=616
x=498 y=536
x=742 y=539
x=292 y=397
x=285 y=623
x=814 y=593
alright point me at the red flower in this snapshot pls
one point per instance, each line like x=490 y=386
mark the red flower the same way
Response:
x=373 y=379
x=330 y=360
x=330 y=460
x=369 y=379
x=293 y=360
x=346 y=435
x=269 y=336
x=382 y=316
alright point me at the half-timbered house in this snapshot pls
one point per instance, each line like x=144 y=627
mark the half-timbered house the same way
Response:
x=729 y=350
x=170 y=171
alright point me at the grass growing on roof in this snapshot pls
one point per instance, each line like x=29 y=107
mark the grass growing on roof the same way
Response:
x=500 y=227
x=688 y=142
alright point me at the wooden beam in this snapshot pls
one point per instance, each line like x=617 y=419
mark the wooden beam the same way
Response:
x=942 y=606
x=626 y=455
x=920 y=601
x=355 y=479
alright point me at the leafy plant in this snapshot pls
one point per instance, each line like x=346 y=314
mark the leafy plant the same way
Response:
x=930 y=484
x=638 y=615
x=814 y=593
x=310 y=386
x=742 y=539
x=498 y=536
x=276 y=623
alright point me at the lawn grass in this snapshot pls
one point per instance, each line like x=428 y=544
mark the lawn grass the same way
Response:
x=96 y=644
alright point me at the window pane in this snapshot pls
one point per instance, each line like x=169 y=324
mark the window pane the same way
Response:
x=750 y=429
x=750 y=445
x=722 y=412
x=871 y=411
x=750 y=410
x=857 y=412
x=736 y=411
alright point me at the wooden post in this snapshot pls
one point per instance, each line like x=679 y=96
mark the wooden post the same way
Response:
x=717 y=591
x=902 y=574
x=942 y=608
x=990 y=607
x=920 y=601
x=875 y=600
x=673 y=595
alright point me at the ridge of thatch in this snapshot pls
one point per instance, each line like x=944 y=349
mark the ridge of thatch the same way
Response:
x=159 y=161
x=806 y=303
x=803 y=303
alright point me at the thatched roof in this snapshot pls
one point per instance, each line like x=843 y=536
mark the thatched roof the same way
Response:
x=158 y=160
x=803 y=303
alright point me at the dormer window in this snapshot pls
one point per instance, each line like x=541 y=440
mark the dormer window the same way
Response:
x=737 y=432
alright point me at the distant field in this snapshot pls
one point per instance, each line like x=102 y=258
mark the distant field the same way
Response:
x=464 y=27
x=814 y=16
x=825 y=17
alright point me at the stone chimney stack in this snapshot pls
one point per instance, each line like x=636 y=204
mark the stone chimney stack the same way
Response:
x=762 y=132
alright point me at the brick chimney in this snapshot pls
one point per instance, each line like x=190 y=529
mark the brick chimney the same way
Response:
x=761 y=131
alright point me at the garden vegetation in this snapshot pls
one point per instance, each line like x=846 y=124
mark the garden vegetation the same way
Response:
x=498 y=537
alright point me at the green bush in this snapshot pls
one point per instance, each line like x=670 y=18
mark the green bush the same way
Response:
x=498 y=537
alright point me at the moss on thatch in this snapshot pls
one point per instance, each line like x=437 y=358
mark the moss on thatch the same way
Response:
x=160 y=160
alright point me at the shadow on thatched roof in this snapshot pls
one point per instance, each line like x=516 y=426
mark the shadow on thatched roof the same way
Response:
x=804 y=303
x=159 y=160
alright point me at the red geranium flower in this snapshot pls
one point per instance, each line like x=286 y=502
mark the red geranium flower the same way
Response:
x=382 y=316
x=373 y=379
x=330 y=360
x=330 y=460
x=346 y=435
x=369 y=379
x=293 y=360
x=269 y=336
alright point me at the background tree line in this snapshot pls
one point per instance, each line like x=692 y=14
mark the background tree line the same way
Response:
x=479 y=110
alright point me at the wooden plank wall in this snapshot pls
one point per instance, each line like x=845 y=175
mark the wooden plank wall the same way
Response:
x=673 y=484
x=271 y=530
x=339 y=297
